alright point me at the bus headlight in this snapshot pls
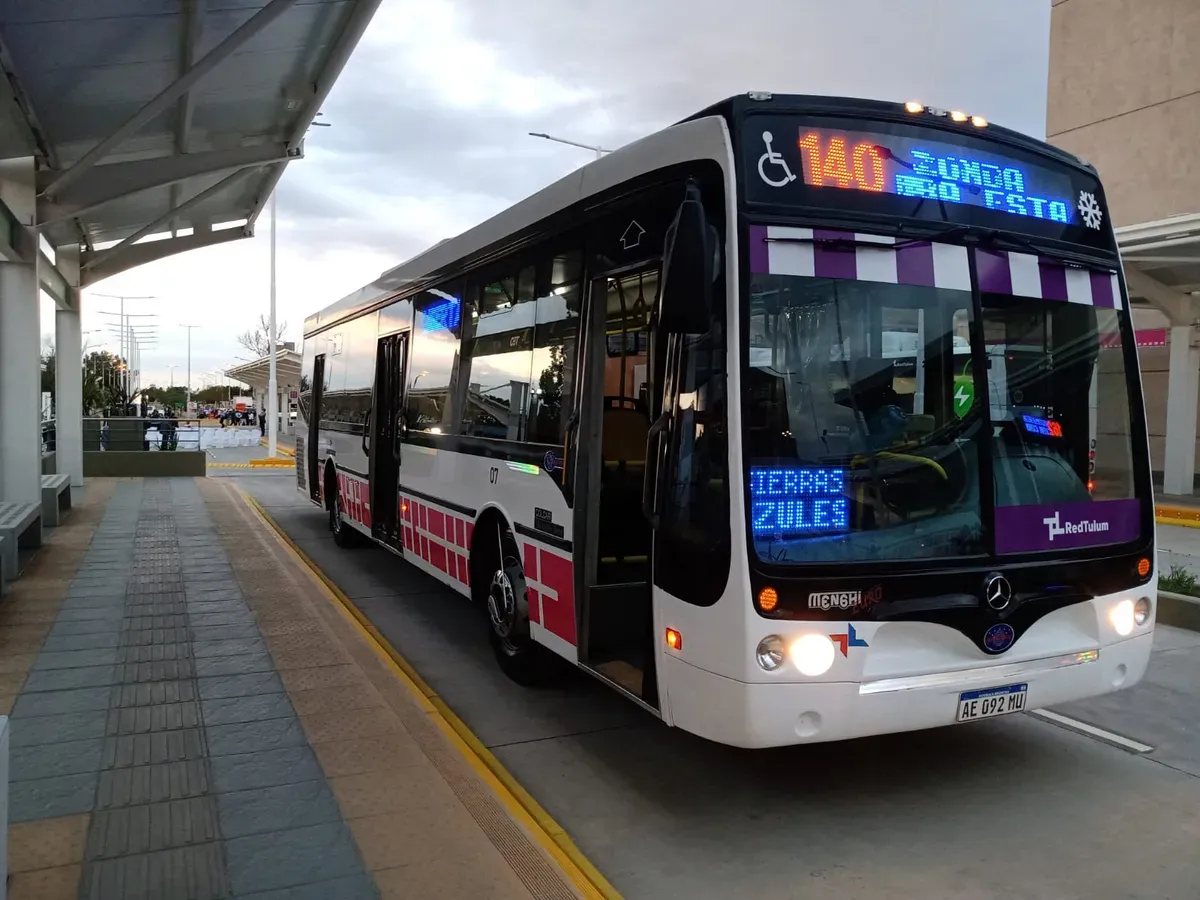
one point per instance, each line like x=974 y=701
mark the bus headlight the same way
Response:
x=813 y=654
x=1122 y=617
x=771 y=652
x=1141 y=611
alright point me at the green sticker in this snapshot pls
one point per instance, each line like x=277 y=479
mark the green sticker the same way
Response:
x=964 y=395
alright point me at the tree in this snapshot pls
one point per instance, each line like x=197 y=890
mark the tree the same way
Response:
x=214 y=394
x=173 y=397
x=104 y=384
x=258 y=341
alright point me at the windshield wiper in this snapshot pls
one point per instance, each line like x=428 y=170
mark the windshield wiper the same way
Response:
x=849 y=243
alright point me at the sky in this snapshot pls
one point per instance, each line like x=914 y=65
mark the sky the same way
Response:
x=430 y=120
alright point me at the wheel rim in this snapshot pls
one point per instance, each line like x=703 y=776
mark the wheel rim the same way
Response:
x=502 y=606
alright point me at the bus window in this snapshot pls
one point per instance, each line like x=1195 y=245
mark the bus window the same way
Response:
x=497 y=358
x=556 y=333
x=1051 y=363
x=693 y=550
x=437 y=325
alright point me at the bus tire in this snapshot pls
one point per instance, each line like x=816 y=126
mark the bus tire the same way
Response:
x=343 y=535
x=506 y=607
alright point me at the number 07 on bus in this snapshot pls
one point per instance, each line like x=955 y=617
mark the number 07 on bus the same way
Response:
x=783 y=422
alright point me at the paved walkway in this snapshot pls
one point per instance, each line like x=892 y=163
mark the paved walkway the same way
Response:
x=192 y=718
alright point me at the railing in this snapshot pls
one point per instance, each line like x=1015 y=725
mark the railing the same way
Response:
x=125 y=433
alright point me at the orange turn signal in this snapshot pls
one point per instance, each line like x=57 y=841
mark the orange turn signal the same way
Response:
x=768 y=599
x=1143 y=567
x=674 y=639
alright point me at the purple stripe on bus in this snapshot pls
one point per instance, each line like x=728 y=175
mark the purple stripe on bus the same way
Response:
x=760 y=256
x=995 y=277
x=914 y=264
x=1054 y=279
x=1066 y=526
x=830 y=261
x=1102 y=289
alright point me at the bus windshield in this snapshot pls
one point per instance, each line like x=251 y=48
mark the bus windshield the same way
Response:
x=866 y=433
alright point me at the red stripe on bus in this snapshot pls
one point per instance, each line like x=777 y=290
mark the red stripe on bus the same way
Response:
x=459 y=533
x=437 y=524
x=437 y=555
x=558 y=613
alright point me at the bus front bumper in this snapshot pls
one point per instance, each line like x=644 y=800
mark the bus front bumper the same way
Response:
x=778 y=714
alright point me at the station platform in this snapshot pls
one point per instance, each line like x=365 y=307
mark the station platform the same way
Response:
x=194 y=717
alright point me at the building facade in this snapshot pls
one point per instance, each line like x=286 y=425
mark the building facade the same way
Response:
x=1124 y=94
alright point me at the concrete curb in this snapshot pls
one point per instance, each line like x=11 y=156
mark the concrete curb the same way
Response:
x=1179 y=610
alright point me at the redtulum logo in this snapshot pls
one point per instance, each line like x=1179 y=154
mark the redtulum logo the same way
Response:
x=827 y=600
x=1082 y=526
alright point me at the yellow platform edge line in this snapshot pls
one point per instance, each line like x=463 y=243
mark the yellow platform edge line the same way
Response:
x=520 y=804
x=279 y=448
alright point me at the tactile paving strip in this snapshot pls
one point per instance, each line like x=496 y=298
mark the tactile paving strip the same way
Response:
x=539 y=875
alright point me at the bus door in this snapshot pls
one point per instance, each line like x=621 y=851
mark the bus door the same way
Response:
x=316 y=400
x=613 y=539
x=384 y=431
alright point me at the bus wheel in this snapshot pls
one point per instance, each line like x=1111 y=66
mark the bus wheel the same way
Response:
x=520 y=657
x=343 y=534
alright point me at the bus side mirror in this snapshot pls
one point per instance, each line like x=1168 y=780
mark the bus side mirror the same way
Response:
x=689 y=268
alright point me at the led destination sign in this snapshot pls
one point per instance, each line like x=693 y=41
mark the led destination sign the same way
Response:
x=919 y=172
x=787 y=502
x=932 y=170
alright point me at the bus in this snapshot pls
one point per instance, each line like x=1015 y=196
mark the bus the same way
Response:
x=803 y=419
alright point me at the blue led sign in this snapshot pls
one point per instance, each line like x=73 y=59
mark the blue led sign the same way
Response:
x=1043 y=427
x=793 y=502
x=444 y=315
x=1001 y=187
x=908 y=167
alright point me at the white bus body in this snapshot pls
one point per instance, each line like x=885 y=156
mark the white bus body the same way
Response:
x=467 y=480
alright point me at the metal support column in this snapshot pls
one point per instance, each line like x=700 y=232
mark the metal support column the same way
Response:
x=1183 y=387
x=272 y=380
x=68 y=394
x=20 y=384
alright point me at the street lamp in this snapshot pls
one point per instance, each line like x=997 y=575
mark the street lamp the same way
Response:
x=272 y=382
x=188 y=400
x=599 y=151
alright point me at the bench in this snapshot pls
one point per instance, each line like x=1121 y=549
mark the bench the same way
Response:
x=20 y=526
x=56 y=498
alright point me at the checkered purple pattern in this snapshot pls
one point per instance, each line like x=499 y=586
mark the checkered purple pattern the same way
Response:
x=813 y=253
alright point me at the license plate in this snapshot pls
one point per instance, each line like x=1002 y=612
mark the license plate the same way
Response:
x=997 y=701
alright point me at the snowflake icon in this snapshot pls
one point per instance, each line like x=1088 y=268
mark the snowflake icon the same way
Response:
x=1090 y=209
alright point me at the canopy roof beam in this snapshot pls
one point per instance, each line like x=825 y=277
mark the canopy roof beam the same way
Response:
x=1179 y=308
x=94 y=262
x=172 y=93
x=139 y=254
x=190 y=35
x=104 y=184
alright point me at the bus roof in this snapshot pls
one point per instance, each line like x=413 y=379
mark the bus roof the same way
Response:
x=703 y=135
x=818 y=105
x=704 y=138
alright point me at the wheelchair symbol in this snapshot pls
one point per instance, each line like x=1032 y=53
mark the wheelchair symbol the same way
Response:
x=776 y=159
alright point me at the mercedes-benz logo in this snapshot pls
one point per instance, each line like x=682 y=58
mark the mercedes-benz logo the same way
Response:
x=997 y=592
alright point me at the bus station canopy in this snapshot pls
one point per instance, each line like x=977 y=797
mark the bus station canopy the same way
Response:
x=1162 y=264
x=172 y=120
x=256 y=372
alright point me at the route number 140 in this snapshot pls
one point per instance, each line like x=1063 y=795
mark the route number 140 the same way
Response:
x=859 y=167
